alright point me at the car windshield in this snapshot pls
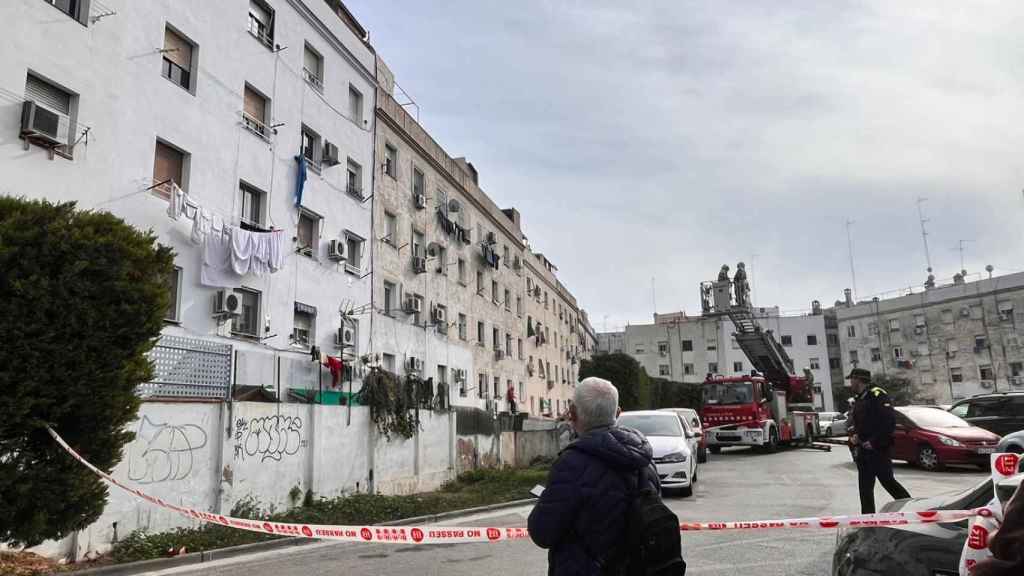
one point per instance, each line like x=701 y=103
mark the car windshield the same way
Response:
x=728 y=393
x=653 y=424
x=934 y=418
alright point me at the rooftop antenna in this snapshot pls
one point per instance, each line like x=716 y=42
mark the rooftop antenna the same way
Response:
x=849 y=244
x=960 y=247
x=924 y=233
x=654 y=298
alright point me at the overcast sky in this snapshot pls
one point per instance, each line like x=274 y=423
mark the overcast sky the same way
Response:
x=663 y=139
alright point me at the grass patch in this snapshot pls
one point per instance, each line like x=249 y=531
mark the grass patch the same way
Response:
x=469 y=490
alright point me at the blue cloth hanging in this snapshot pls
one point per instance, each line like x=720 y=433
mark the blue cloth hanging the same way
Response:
x=300 y=179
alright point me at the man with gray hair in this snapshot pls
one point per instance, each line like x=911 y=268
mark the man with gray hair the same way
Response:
x=581 y=515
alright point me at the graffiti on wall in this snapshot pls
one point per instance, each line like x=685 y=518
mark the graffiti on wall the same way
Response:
x=268 y=437
x=164 y=452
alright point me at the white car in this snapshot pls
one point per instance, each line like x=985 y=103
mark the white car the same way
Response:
x=833 y=423
x=673 y=456
x=691 y=421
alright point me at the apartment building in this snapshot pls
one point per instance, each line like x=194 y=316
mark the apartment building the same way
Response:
x=199 y=121
x=950 y=341
x=555 y=343
x=685 y=348
x=448 y=283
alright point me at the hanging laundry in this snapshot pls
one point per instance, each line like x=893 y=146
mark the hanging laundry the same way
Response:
x=176 y=202
x=216 y=270
x=336 y=366
x=202 y=222
x=300 y=179
x=276 y=260
x=242 y=247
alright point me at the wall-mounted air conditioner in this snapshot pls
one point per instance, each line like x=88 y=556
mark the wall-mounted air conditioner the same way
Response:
x=330 y=154
x=226 y=303
x=413 y=305
x=438 y=315
x=43 y=125
x=336 y=250
x=345 y=337
x=421 y=201
x=419 y=264
x=414 y=364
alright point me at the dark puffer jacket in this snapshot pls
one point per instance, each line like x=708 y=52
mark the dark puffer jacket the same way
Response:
x=582 y=512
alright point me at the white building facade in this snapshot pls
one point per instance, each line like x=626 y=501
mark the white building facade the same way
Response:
x=114 y=110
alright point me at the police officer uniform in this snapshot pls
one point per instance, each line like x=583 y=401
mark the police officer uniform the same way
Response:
x=874 y=421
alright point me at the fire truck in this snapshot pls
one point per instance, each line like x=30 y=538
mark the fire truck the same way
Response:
x=771 y=406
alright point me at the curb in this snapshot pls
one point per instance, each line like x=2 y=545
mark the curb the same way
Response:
x=143 y=566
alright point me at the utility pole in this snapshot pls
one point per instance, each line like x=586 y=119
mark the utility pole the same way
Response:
x=849 y=244
x=924 y=232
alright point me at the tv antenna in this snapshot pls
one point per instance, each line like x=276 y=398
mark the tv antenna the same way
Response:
x=849 y=244
x=960 y=247
x=924 y=234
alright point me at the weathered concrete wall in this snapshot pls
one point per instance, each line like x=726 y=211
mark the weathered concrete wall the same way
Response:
x=536 y=444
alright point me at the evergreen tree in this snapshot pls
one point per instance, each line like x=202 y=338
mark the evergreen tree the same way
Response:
x=625 y=373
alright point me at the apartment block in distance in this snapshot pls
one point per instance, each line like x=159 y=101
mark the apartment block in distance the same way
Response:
x=685 y=348
x=194 y=120
x=951 y=341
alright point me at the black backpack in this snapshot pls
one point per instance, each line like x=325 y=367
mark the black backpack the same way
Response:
x=652 y=545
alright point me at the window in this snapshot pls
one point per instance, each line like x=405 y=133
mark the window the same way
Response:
x=851 y=331
x=737 y=367
x=389 y=297
x=355 y=105
x=521 y=393
x=418 y=243
x=254 y=112
x=532 y=404
x=734 y=344
x=442 y=260
x=919 y=320
x=480 y=282
x=980 y=343
x=74 y=8
x=354 y=179
x=419 y=185
x=985 y=371
x=480 y=333
x=505 y=257
x=311 y=148
x=174 y=287
x=389 y=362
x=508 y=300
x=508 y=345
x=854 y=357
x=519 y=306
x=253 y=211
x=177 y=59
x=354 y=253
x=713 y=367
x=313 y=67
x=545 y=299
x=462 y=327
x=308 y=233
x=977 y=312
x=494 y=291
x=391 y=161
x=639 y=350
x=687 y=345
x=812 y=339
x=1005 y=311
x=713 y=343
x=520 y=346
x=261 y=23
x=416 y=315
x=52 y=98
x=894 y=325
x=247 y=322
x=876 y=354
x=663 y=370
x=663 y=348
x=897 y=353
x=832 y=339
x=872 y=328
x=1016 y=369
x=952 y=347
x=481 y=385
x=947 y=316
x=390 y=229
x=496 y=338
x=787 y=340
x=688 y=369
x=497 y=387
x=956 y=374
x=304 y=325
x=815 y=363
x=169 y=165
x=835 y=363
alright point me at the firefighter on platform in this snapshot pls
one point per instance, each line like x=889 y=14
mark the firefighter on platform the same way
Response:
x=874 y=421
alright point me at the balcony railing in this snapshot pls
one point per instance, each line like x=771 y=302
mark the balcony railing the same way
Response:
x=256 y=126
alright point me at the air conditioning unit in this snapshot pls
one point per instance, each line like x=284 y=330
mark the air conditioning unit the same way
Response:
x=459 y=375
x=226 y=302
x=421 y=201
x=419 y=264
x=415 y=364
x=413 y=305
x=345 y=337
x=965 y=311
x=438 y=315
x=42 y=125
x=330 y=154
x=336 y=250
x=491 y=238
x=986 y=384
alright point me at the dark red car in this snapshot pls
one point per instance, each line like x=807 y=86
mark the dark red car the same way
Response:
x=931 y=438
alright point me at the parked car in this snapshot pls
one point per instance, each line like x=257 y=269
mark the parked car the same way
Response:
x=673 y=455
x=1002 y=413
x=914 y=550
x=931 y=438
x=1012 y=443
x=833 y=423
x=690 y=416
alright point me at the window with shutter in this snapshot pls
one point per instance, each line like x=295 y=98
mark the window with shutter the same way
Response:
x=168 y=165
x=177 y=59
x=261 y=22
x=312 y=67
x=254 y=108
x=43 y=93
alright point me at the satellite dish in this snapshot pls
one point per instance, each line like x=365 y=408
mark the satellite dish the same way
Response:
x=453 y=205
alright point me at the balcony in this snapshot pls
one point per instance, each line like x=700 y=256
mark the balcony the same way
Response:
x=257 y=127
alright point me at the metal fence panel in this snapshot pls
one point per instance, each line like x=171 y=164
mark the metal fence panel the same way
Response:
x=189 y=368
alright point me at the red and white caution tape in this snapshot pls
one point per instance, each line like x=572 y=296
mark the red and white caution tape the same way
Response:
x=439 y=535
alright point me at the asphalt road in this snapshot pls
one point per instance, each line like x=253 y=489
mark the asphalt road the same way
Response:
x=735 y=485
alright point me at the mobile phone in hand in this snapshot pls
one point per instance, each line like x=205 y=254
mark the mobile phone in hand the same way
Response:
x=536 y=491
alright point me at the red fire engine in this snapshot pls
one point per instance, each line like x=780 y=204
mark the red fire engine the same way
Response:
x=771 y=406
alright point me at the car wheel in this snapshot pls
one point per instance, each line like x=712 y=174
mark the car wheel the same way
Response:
x=828 y=432
x=773 y=440
x=928 y=458
x=715 y=449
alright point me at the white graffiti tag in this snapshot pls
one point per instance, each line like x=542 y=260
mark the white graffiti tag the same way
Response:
x=167 y=453
x=269 y=437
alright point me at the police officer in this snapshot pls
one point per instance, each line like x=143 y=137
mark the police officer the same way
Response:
x=874 y=421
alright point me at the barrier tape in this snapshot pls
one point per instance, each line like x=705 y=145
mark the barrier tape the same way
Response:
x=458 y=534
